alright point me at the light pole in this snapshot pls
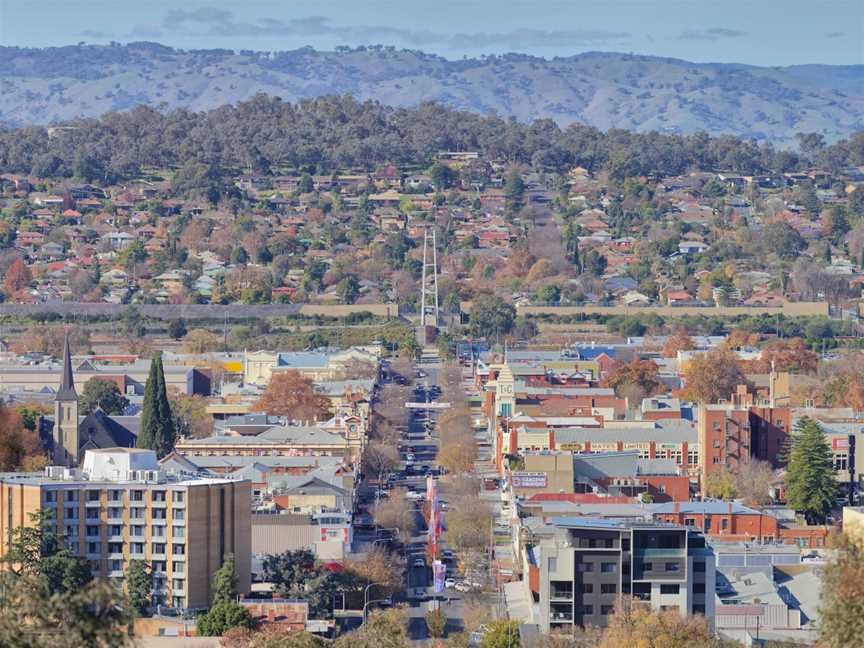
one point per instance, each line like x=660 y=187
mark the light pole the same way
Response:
x=366 y=591
x=366 y=605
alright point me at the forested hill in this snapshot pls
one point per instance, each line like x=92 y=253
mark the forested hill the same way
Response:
x=605 y=90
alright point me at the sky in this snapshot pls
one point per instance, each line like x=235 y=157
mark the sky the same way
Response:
x=757 y=32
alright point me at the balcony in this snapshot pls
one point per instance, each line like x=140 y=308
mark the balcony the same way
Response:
x=160 y=504
x=561 y=617
x=661 y=553
x=561 y=594
x=93 y=503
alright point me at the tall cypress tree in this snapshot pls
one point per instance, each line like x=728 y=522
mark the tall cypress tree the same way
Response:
x=157 y=422
x=810 y=483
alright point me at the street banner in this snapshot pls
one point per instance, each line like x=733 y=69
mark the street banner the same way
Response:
x=439 y=572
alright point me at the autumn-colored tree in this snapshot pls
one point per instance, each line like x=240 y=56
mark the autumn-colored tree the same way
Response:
x=738 y=339
x=293 y=395
x=458 y=457
x=786 y=355
x=468 y=520
x=845 y=388
x=17 y=277
x=190 y=416
x=712 y=376
x=842 y=598
x=201 y=341
x=17 y=443
x=635 y=625
x=378 y=566
x=396 y=512
x=638 y=374
x=679 y=341
x=751 y=481
x=49 y=339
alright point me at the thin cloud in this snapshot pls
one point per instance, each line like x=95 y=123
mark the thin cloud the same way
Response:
x=835 y=34
x=711 y=34
x=211 y=21
x=94 y=33
x=146 y=31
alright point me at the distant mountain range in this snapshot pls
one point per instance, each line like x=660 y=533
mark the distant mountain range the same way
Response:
x=606 y=90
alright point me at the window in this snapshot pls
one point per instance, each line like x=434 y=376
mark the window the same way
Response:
x=587 y=609
x=158 y=547
x=94 y=548
x=136 y=531
x=178 y=583
x=115 y=565
x=647 y=566
x=92 y=495
x=159 y=514
x=178 y=550
x=584 y=567
x=715 y=460
x=115 y=547
x=178 y=566
x=690 y=522
x=158 y=565
x=608 y=567
x=136 y=496
x=115 y=513
x=178 y=514
x=698 y=566
x=608 y=588
x=692 y=457
x=157 y=531
x=716 y=443
x=70 y=496
x=180 y=532
x=136 y=548
x=673 y=567
x=115 y=495
x=71 y=531
x=50 y=496
x=587 y=588
x=93 y=531
x=606 y=610
x=92 y=514
x=698 y=588
x=138 y=513
x=71 y=513
x=625 y=544
x=551 y=564
x=670 y=589
x=178 y=497
x=698 y=609
x=158 y=496
x=840 y=461
x=724 y=524
x=115 y=530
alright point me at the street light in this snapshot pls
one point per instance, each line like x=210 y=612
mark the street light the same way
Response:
x=366 y=605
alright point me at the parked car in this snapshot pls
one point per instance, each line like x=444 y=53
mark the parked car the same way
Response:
x=419 y=562
x=450 y=583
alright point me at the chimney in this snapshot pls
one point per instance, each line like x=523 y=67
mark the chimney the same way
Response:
x=729 y=508
x=677 y=507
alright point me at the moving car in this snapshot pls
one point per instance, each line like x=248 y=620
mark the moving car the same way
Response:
x=419 y=562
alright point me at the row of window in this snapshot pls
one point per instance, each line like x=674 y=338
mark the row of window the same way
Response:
x=605 y=588
x=606 y=567
x=116 y=513
x=114 y=496
x=135 y=531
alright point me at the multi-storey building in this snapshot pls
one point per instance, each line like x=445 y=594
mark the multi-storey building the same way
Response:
x=587 y=565
x=731 y=433
x=120 y=506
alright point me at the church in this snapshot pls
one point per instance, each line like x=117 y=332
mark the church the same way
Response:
x=69 y=435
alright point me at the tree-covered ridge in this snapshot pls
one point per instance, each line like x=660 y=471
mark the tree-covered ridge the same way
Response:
x=602 y=89
x=341 y=133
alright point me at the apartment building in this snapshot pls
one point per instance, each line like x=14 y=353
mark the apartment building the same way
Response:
x=121 y=506
x=586 y=565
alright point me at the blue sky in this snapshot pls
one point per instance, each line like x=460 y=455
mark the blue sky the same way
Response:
x=759 y=32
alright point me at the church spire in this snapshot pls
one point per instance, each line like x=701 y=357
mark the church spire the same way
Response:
x=67 y=385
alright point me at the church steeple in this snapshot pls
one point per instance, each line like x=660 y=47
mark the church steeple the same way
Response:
x=66 y=414
x=67 y=384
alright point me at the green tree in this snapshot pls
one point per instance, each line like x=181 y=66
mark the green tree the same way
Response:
x=177 y=328
x=348 y=289
x=223 y=616
x=157 y=431
x=501 y=634
x=102 y=394
x=38 y=550
x=491 y=316
x=514 y=190
x=139 y=586
x=810 y=483
x=782 y=239
x=442 y=176
x=225 y=581
x=306 y=184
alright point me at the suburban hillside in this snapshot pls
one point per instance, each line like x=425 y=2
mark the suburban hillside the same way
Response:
x=606 y=90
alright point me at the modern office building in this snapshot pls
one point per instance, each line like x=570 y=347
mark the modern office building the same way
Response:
x=121 y=506
x=587 y=565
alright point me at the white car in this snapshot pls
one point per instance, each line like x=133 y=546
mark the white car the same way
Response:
x=409 y=456
x=462 y=587
x=450 y=583
x=419 y=562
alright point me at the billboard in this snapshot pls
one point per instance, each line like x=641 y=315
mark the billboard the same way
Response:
x=840 y=444
x=530 y=480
